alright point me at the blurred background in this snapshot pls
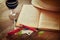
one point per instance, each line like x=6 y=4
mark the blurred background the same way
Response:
x=6 y=20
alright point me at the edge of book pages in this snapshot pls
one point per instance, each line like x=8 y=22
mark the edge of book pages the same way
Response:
x=32 y=17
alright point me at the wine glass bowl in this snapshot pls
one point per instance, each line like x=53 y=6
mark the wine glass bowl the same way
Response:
x=12 y=4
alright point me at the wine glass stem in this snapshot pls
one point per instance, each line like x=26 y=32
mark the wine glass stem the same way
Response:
x=13 y=19
x=14 y=23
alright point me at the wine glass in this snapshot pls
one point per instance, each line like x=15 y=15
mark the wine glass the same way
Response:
x=12 y=4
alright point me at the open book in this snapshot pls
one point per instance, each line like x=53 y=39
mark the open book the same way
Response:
x=33 y=17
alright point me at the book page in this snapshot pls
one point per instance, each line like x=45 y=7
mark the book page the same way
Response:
x=49 y=20
x=29 y=16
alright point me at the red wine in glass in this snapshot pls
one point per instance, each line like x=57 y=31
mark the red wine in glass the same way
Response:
x=11 y=4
